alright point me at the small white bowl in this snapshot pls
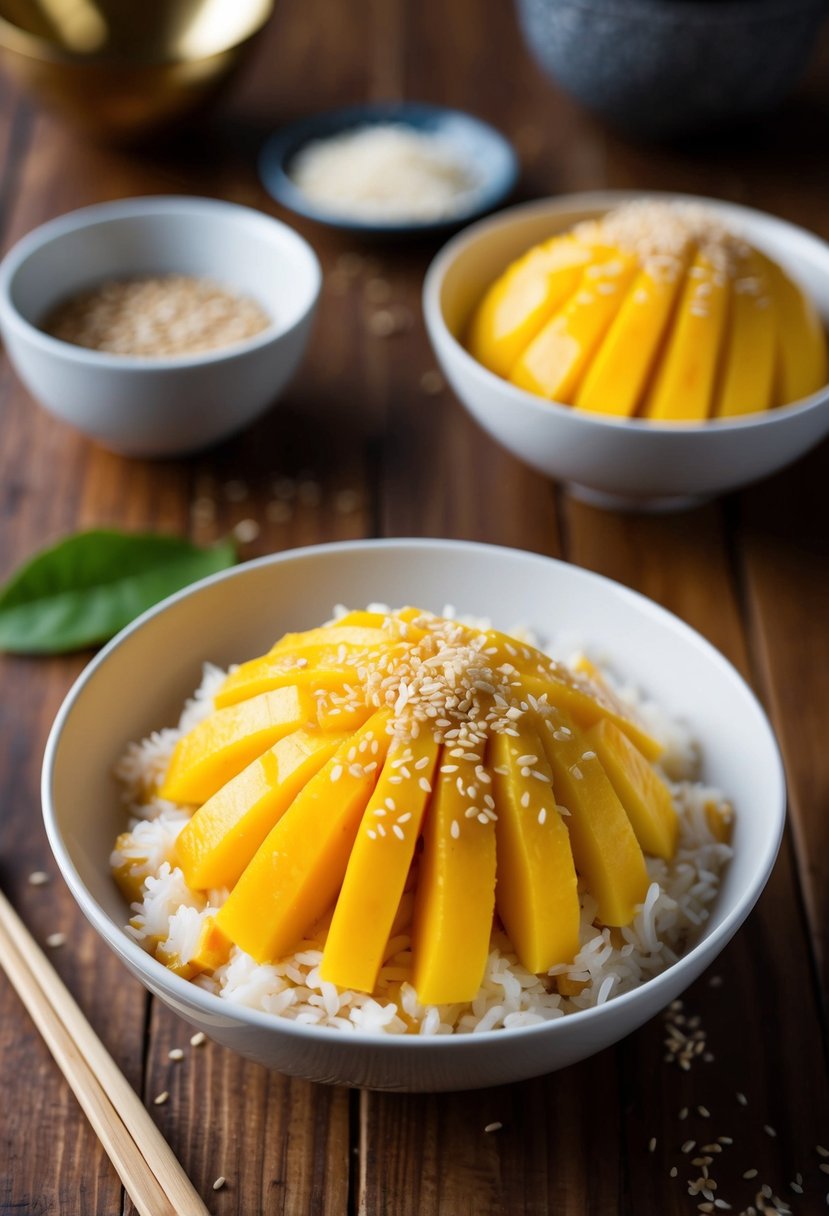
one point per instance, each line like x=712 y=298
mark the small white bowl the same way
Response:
x=164 y=406
x=623 y=463
x=139 y=682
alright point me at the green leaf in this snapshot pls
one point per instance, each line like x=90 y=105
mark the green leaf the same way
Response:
x=90 y=585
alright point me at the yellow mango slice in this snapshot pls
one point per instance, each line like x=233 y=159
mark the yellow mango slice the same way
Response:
x=746 y=380
x=379 y=865
x=519 y=303
x=266 y=674
x=212 y=949
x=616 y=380
x=536 y=889
x=605 y=848
x=642 y=792
x=683 y=390
x=583 y=694
x=800 y=356
x=555 y=361
x=456 y=886
x=295 y=875
x=214 y=847
x=719 y=816
x=332 y=637
x=208 y=756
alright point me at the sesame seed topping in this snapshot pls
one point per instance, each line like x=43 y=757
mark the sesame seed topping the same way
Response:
x=161 y=1098
x=750 y=1174
x=742 y=1099
x=336 y=772
x=398 y=831
x=769 y=1130
x=198 y=1039
x=219 y=1183
x=652 y=1144
x=176 y=1054
x=542 y=815
x=38 y=878
x=455 y=829
x=493 y=1127
x=704 y=1112
x=56 y=940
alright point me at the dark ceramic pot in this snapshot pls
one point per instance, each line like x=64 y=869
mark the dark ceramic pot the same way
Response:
x=659 y=68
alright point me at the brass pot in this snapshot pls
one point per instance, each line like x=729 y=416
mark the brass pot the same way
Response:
x=120 y=70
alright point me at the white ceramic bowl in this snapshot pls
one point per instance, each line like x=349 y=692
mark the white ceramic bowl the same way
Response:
x=627 y=463
x=239 y=613
x=159 y=407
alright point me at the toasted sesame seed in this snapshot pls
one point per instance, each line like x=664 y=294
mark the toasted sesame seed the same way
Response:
x=652 y=1144
x=55 y=940
x=175 y=1053
x=431 y=383
x=750 y=1174
x=742 y=1099
x=161 y=1098
x=704 y=1112
x=493 y=1127
x=38 y=878
x=688 y=1146
x=769 y=1130
x=725 y=1140
x=796 y=1187
x=246 y=531
x=683 y=1114
x=823 y=1167
x=821 y=1151
x=673 y=1171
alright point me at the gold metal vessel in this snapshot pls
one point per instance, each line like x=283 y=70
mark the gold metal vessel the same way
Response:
x=121 y=69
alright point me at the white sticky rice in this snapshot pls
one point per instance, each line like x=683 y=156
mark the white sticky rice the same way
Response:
x=168 y=918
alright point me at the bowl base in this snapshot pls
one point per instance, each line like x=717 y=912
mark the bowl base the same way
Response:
x=660 y=505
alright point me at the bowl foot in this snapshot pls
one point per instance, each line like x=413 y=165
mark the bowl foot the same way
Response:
x=661 y=505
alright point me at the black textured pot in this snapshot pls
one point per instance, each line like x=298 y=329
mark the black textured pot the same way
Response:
x=658 y=68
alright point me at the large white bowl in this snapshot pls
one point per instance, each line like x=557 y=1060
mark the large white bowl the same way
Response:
x=627 y=463
x=140 y=680
x=164 y=406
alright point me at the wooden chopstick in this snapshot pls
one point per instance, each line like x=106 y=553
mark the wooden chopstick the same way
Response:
x=147 y=1166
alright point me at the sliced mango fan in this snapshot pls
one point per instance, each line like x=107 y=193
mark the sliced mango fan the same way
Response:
x=389 y=760
x=654 y=310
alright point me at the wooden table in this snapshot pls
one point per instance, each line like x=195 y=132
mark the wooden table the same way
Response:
x=374 y=453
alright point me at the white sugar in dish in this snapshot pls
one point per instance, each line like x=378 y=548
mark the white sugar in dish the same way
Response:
x=386 y=172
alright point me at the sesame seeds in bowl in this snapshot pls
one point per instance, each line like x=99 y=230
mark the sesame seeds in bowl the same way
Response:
x=160 y=396
x=254 y=602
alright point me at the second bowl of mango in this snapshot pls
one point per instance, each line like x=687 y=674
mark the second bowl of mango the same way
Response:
x=663 y=460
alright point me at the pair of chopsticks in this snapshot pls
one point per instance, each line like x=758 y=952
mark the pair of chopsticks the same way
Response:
x=147 y=1166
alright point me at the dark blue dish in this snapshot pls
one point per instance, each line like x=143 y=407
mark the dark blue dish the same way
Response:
x=479 y=145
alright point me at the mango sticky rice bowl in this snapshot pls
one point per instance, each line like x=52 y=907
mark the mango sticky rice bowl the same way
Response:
x=405 y=823
x=654 y=310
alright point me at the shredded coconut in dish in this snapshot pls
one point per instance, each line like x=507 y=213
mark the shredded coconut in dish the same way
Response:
x=167 y=916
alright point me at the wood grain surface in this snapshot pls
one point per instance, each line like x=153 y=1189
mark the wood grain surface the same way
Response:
x=362 y=446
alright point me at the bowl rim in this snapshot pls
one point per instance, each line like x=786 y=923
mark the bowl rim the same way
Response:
x=148 y=208
x=280 y=148
x=595 y=202
x=156 y=976
x=21 y=41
